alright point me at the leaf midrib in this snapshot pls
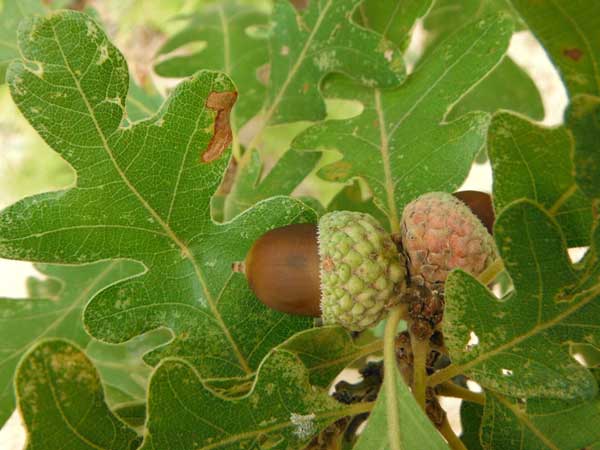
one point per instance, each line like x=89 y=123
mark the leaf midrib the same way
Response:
x=387 y=169
x=297 y=65
x=170 y=233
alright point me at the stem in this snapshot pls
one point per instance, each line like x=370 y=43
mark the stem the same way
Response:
x=450 y=389
x=389 y=367
x=490 y=274
x=453 y=441
x=420 y=348
x=443 y=375
x=359 y=408
x=371 y=347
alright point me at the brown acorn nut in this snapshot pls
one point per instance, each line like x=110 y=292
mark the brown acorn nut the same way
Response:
x=346 y=270
x=282 y=269
x=481 y=205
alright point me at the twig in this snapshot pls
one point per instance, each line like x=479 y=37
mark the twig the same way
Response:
x=453 y=440
x=490 y=274
x=450 y=389
x=420 y=349
x=445 y=374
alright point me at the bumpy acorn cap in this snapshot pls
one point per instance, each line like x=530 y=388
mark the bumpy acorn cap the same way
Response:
x=360 y=267
x=440 y=233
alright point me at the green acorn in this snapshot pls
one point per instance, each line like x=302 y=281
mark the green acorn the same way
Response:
x=346 y=269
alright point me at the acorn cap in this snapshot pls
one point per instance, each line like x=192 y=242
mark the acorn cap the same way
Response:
x=440 y=233
x=361 y=269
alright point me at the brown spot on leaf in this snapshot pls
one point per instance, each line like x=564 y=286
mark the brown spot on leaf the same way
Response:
x=305 y=88
x=573 y=53
x=221 y=102
x=300 y=4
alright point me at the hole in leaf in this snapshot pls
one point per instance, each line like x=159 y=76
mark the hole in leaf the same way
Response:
x=507 y=372
x=473 y=386
x=577 y=253
x=473 y=341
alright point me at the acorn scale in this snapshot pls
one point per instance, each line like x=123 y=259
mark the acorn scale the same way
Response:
x=347 y=269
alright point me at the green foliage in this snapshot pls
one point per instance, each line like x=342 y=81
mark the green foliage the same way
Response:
x=228 y=37
x=11 y=13
x=575 y=50
x=549 y=309
x=307 y=45
x=143 y=336
x=422 y=433
x=62 y=402
x=393 y=20
x=576 y=53
x=282 y=410
x=584 y=121
x=54 y=310
x=325 y=351
x=121 y=367
x=470 y=419
x=250 y=188
x=506 y=86
x=537 y=424
x=522 y=153
x=351 y=198
x=400 y=144
x=161 y=220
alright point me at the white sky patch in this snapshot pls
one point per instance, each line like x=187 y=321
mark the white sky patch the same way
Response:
x=577 y=253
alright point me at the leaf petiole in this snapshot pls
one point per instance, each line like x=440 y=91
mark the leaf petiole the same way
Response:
x=420 y=348
x=443 y=375
x=490 y=274
x=449 y=389
x=453 y=440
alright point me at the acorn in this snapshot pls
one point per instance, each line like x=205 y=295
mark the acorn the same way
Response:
x=346 y=270
x=440 y=233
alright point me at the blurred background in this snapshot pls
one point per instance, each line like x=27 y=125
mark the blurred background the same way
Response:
x=28 y=166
